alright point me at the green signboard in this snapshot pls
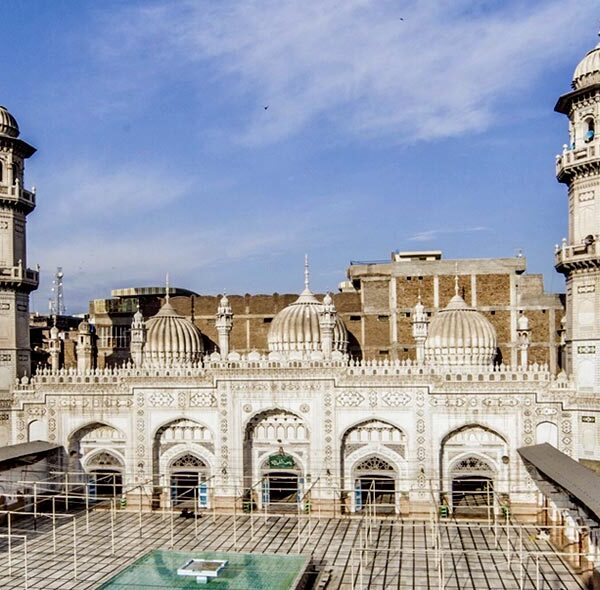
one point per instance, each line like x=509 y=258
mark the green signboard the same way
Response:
x=281 y=462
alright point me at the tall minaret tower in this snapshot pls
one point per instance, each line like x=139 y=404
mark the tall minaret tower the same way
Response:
x=16 y=280
x=578 y=257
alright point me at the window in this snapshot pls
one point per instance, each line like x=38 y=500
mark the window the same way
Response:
x=383 y=318
x=1 y=171
x=121 y=336
x=589 y=130
x=267 y=320
x=355 y=318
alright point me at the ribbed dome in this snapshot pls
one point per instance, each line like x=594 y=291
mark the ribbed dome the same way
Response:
x=8 y=124
x=171 y=339
x=460 y=335
x=296 y=328
x=588 y=70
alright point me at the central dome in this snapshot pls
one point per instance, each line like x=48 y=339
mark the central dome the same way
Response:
x=460 y=335
x=171 y=339
x=8 y=124
x=588 y=70
x=296 y=328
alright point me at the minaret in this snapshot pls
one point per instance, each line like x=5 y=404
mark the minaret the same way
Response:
x=54 y=347
x=138 y=338
x=224 y=323
x=85 y=347
x=16 y=280
x=578 y=258
x=327 y=321
x=523 y=337
x=420 y=322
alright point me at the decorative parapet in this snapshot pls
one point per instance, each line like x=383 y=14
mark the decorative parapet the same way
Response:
x=256 y=362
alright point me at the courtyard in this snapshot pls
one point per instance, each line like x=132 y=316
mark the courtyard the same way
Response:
x=83 y=551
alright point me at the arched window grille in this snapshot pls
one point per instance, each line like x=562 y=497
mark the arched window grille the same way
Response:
x=187 y=461
x=374 y=464
x=104 y=459
x=474 y=466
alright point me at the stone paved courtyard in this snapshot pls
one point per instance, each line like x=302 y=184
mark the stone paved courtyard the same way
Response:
x=400 y=553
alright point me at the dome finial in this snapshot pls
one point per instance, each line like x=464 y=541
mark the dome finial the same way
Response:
x=456 y=278
x=306 y=273
x=167 y=288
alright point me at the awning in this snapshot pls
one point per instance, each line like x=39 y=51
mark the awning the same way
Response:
x=13 y=453
x=581 y=483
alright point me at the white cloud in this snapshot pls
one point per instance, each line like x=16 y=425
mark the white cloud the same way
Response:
x=431 y=235
x=86 y=192
x=117 y=229
x=443 y=70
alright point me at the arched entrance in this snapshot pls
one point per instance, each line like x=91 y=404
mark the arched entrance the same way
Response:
x=282 y=482
x=276 y=456
x=183 y=453
x=188 y=481
x=375 y=485
x=105 y=475
x=472 y=487
x=373 y=457
x=98 y=450
x=474 y=470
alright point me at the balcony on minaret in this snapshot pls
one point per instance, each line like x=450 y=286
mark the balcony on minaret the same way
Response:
x=19 y=277
x=18 y=196
x=578 y=159
x=577 y=256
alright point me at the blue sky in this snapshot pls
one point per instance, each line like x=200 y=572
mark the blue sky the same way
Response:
x=390 y=125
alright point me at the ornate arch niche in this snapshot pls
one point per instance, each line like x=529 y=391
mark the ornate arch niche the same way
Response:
x=108 y=471
x=88 y=439
x=474 y=450
x=178 y=436
x=268 y=433
x=371 y=437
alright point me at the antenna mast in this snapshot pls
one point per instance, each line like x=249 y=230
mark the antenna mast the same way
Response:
x=57 y=301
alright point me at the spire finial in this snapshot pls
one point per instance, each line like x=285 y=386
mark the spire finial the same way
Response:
x=456 y=278
x=167 y=288
x=419 y=296
x=306 y=273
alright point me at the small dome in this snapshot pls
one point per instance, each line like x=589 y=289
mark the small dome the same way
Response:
x=522 y=322
x=460 y=335
x=8 y=124
x=84 y=327
x=171 y=339
x=296 y=328
x=588 y=70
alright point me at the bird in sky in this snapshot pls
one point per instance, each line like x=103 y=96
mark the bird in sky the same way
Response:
x=266 y=107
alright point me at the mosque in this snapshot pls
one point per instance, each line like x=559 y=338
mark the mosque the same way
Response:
x=217 y=402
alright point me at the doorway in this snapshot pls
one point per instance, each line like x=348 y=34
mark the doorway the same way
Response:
x=471 y=495
x=280 y=489
x=376 y=489
x=183 y=486
x=105 y=483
